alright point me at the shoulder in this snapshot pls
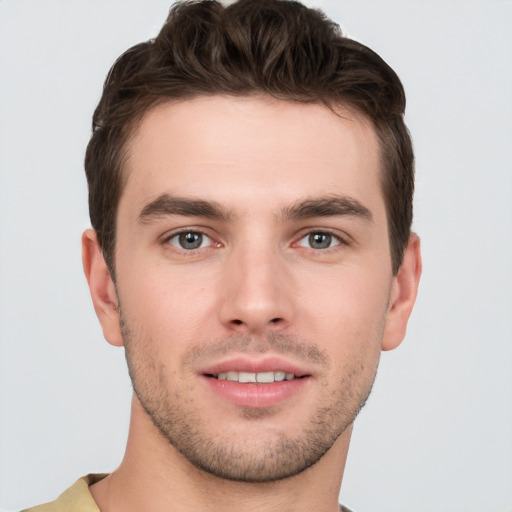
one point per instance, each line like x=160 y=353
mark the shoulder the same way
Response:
x=75 y=499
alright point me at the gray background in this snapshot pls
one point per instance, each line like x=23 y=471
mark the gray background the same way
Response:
x=437 y=432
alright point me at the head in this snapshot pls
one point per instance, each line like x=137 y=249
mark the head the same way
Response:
x=278 y=48
x=250 y=185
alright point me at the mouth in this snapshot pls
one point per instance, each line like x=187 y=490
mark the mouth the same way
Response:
x=256 y=383
x=267 y=377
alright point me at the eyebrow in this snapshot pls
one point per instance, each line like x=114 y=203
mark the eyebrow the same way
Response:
x=167 y=204
x=328 y=206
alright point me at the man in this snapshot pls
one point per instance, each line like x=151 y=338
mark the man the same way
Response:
x=250 y=191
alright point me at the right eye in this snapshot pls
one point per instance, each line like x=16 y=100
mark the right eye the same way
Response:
x=319 y=240
x=190 y=240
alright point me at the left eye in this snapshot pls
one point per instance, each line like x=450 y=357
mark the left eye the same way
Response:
x=319 y=240
x=190 y=240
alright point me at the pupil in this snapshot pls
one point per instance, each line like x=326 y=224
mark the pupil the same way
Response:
x=320 y=240
x=191 y=240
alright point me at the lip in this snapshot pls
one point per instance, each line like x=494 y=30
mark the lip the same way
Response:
x=255 y=395
x=244 y=364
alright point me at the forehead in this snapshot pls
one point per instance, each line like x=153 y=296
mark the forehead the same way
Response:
x=234 y=150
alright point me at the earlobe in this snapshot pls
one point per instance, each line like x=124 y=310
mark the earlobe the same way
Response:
x=102 y=288
x=403 y=295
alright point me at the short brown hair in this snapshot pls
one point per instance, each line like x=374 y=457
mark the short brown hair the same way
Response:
x=275 y=47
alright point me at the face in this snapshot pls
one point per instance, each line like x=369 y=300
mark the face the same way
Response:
x=253 y=278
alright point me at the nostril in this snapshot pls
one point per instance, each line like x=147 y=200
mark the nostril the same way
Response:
x=240 y=322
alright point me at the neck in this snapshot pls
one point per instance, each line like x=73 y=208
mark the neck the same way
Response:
x=154 y=476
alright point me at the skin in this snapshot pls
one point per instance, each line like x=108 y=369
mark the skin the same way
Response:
x=258 y=289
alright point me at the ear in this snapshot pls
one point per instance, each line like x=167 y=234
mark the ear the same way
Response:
x=403 y=295
x=101 y=286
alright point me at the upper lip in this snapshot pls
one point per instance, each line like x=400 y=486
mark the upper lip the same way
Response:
x=252 y=365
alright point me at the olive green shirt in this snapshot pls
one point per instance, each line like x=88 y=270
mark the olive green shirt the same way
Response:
x=78 y=498
x=75 y=499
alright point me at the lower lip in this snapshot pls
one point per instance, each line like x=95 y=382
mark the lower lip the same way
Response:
x=256 y=395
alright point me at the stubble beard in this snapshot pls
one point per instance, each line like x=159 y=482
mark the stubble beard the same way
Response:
x=245 y=459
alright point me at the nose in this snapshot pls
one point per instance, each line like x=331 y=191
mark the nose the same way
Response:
x=257 y=289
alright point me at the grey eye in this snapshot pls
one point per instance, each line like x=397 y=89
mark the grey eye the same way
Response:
x=319 y=240
x=190 y=240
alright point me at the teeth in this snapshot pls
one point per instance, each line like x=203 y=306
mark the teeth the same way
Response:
x=265 y=377
x=246 y=377
x=279 y=376
x=262 y=377
x=232 y=375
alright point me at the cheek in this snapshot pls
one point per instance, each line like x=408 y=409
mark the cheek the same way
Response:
x=359 y=293
x=348 y=313
x=167 y=305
